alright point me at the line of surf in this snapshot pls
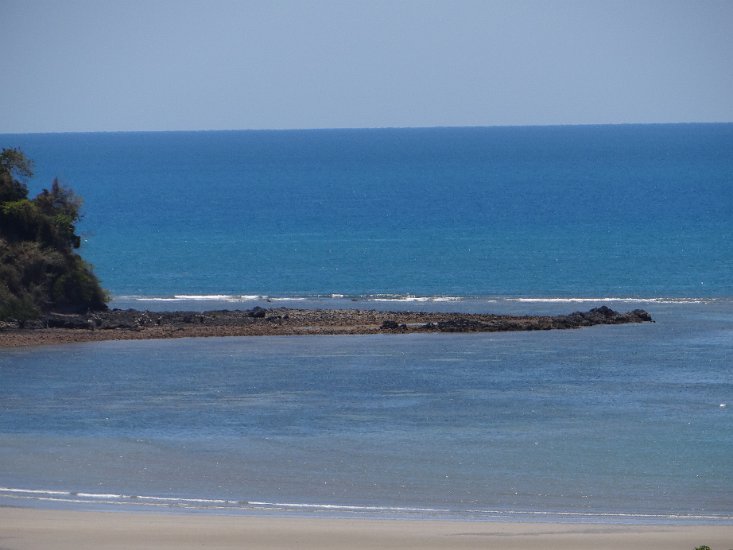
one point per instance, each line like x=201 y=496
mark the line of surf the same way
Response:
x=411 y=298
x=141 y=502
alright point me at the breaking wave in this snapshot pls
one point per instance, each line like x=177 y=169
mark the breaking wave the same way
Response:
x=407 y=298
x=81 y=499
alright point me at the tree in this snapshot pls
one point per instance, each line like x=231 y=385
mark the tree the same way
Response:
x=14 y=169
x=63 y=206
x=39 y=270
x=59 y=200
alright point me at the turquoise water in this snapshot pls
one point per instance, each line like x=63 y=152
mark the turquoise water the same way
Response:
x=606 y=424
x=638 y=211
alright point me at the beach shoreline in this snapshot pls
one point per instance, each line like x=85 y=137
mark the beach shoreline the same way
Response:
x=36 y=529
x=148 y=325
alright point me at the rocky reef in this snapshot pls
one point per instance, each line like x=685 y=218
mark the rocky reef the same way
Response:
x=133 y=324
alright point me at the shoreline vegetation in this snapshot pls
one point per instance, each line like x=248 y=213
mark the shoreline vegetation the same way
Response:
x=40 y=270
x=116 y=324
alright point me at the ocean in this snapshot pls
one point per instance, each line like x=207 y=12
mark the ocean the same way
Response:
x=605 y=424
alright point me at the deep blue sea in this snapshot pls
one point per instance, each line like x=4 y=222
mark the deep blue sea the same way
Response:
x=624 y=211
x=606 y=424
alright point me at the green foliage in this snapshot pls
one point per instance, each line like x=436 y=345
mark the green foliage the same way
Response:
x=21 y=308
x=78 y=286
x=703 y=547
x=14 y=168
x=10 y=189
x=59 y=201
x=20 y=220
x=15 y=163
x=39 y=270
x=20 y=274
x=49 y=218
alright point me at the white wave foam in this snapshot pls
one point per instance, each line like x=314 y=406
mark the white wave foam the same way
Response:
x=599 y=515
x=203 y=504
x=99 y=495
x=191 y=500
x=346 y=507
x=197 y=298
x=412 y=298
x=403 y=299
x=613 y=299
x=146 y=299
x=213 y=297
x=110 y=498
x=33 y=491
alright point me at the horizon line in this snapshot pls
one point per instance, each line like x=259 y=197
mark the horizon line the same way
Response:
x=337 y=128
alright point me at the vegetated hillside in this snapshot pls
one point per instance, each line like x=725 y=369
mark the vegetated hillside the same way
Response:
x=39 y=268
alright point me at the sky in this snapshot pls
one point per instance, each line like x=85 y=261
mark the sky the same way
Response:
x=137 y=65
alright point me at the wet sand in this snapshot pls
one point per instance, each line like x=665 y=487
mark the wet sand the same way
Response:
x=29 y=529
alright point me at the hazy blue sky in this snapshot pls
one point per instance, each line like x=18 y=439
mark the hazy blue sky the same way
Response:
x=77 y=65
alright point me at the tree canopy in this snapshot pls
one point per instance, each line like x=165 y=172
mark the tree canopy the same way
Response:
x=39 y=268
x=14 y=168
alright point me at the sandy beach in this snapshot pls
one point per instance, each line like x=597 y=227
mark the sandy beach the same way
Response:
x=27 y=529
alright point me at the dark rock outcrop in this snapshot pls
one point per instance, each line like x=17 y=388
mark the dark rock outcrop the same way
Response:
x=604 y=316
x=133 y=324
x=257 y=312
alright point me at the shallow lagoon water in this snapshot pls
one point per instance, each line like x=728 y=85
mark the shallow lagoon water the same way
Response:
x=619 y=423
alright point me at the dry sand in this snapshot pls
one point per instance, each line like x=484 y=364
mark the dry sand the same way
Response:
x=26 y=529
